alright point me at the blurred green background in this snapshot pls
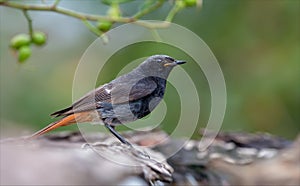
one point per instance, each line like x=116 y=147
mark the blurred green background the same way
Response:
x=256 y=43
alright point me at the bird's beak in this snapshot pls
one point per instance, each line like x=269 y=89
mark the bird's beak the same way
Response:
x=178 y=62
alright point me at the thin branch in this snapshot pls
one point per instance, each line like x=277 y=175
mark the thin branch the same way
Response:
x=64 y=11
x=173 y=12
x=92 y=17
x=91 y=27
x=29 y=20
x=153 y=24
x=149 y=9
x=55 y=4
x=156 y=35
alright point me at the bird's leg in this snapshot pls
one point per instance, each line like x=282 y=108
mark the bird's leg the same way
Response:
x=124 y=141
x=115 y=133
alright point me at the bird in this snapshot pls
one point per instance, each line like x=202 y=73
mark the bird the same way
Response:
x=125 y=99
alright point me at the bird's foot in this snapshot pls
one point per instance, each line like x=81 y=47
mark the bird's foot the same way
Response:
x=85 y=146
x=96 y=144
x=137 y=152
x=140 y=153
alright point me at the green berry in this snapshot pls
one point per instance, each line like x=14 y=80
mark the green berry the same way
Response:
x=190 y=3
x=104 y=26
x=24 y=53
x=180 y=4
x=20 y=40
x=39 y=38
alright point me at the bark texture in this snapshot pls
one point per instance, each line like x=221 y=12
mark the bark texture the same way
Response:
x=232 y=159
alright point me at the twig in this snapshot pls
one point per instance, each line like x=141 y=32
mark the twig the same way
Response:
x=29 y=20
x=149 y=9
x=91 y=17
x=156 y=35
x=91 y=27
x=173 y=12
x=55 y=4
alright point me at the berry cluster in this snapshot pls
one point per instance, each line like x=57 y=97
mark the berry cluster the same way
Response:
x=21 y=43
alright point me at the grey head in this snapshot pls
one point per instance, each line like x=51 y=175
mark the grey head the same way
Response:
x=158 y=66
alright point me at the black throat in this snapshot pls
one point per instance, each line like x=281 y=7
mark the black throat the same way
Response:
x=144 y=106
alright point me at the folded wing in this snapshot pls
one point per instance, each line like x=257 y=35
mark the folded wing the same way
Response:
x=112 y=93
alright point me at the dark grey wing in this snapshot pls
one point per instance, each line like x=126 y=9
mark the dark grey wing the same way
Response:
x=132 y=90
x=87 y=102
x=101 y=94
x=112 y=93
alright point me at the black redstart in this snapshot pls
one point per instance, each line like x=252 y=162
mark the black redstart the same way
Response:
x=125 y=99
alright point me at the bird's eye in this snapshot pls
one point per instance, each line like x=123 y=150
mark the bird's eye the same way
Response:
x=170 y=59
x=159 y=60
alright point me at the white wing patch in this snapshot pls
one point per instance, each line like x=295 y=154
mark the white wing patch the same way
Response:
x=107 y=90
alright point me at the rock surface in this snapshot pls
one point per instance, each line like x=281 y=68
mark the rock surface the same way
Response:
x=232 y=159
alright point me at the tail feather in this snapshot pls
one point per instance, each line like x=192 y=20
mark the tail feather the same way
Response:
x=63 y=112
x=68 y=120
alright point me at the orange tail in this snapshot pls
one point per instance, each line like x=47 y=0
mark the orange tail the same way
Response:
x=63 y=122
